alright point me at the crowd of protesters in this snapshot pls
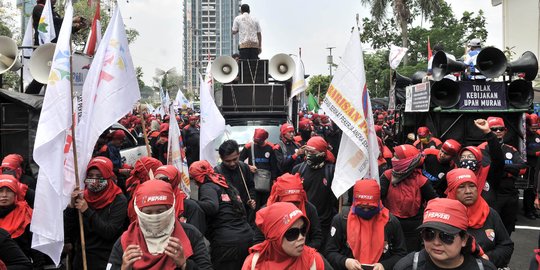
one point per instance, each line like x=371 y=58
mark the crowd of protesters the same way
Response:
x=269 y=205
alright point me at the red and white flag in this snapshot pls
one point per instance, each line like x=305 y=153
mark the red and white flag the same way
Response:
x=95 y=33
x=110 y=90
x=51 y=151
x=176 y=155
x=347 y=103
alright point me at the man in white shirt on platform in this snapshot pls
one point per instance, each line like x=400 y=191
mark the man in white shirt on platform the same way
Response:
x=249 y=32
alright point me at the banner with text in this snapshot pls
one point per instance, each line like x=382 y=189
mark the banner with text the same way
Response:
x=477 y=95
x=417 y=97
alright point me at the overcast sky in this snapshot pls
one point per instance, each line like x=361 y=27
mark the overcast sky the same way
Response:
x=286 y=25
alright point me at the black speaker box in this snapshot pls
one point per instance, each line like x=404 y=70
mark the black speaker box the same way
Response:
x=253 y=71
x=254 y=97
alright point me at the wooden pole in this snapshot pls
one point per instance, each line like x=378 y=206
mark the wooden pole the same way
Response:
x=76 y=166
x=143 y=122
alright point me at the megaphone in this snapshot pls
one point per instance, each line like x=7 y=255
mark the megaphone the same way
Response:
x=224 y=69
x=281 y=67
x=400 y=81
x=41 y=61
x=445 y=93
x=527 y=64
x=8 y=55
x=442 y=65
x=520 y=94
x=491 y=62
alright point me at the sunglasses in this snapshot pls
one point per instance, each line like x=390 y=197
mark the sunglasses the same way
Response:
x=293 y=233
x=164 y=178
x=498 y=129
x=446 y=238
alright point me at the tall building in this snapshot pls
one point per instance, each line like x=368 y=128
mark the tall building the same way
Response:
x=26 y=7
x=207 y=33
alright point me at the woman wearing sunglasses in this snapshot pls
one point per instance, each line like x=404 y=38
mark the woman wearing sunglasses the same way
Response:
x=367 y=235
x=157 y=240
x=447 y=245
x=284 y=227
x=103 y=207
x=186 y=210
x=288 y=188
x=484 y=222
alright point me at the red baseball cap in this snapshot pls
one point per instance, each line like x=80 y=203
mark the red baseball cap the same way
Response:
x=495 y=122
x=445 y=215
x=154 y=192
x=423 y=131
x=451 y=147
x=366 y=192
x=286 y=128
x=260 y=134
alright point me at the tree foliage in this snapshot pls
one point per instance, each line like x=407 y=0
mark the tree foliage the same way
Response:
x=318 y=83
x=446 y=29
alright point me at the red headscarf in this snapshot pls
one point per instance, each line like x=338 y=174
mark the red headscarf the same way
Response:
x=285 y=128
x=154 y=192
x=477 y=212
x=18 y=219
x=174 y=179
x=274 y=221
x=138 y=176
x=288 y=188
x=105 y=197
x=366 y=237
x=13 y=162
x=200 y=170
x=321 y=145
x=482 y=171
x=260 y=134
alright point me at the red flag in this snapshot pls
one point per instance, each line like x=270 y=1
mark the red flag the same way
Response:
x=429 y=53
x=95 y=33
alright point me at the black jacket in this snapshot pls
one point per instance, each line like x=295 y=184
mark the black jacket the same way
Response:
x=500 y=248
x=338 y=250
x=234 y=178
x=11 y=254
x=286 y=156
x=314 y=236
x=265 y=157
x=199 y=260
x=425 y=263
x=101 y=229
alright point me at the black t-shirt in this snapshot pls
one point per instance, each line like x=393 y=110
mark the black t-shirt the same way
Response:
x=425 y=263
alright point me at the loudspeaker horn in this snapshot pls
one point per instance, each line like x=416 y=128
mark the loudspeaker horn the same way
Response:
x=442 y=65
x=527 y=63
x=41 y=61
x=445 y=93
x=8 y=55
x=225 y=69
x=520 y=94
x=281 y=67
x=491 y=62
x=399 y=81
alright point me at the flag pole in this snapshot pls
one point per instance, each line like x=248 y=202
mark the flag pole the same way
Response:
x=145 y=135
x=76 y=166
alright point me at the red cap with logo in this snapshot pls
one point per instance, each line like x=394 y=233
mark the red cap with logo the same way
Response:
x=286 y=128
x=154 y=192
x=423 y=132
x=366 y=192
x=445 y=215
x=495 y=122
x=451 y=147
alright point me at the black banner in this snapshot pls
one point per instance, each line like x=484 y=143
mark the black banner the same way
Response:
x=477 y=95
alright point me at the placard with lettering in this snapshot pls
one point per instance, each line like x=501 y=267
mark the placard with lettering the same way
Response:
x=417 y=97
x=476 y=95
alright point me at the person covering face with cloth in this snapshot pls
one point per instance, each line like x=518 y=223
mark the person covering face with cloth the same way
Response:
x=157 y=240
x=284 y=227
x=103 y=207
x=485 y=223
x=139 y=175
x=367 y=234
x=446 y=242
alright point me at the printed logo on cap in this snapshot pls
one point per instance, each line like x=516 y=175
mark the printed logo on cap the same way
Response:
x=287 y=218
x=364 y=197
x=157 y=198
x=437 y=215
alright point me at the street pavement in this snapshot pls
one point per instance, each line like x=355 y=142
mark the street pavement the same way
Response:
x=525 y=241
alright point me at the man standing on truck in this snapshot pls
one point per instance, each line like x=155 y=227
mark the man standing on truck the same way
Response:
x=249 y=34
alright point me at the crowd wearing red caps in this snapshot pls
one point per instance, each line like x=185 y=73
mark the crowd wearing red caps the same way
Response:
x=269 y=204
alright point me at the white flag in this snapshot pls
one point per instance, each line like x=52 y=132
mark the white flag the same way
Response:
x=46 y=31
x=298 y=83
x=176 y=155
x=181 y=100
x=212 y=123
x=347 y=103
x=53 y=141
x=110 y=90
x=28 y=40
x=396 y=54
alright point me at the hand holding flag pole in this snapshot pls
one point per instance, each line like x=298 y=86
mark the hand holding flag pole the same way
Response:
x=75 y=163
x=145 y=135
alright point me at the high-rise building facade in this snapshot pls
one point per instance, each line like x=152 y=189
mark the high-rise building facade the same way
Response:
x=207 y=33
